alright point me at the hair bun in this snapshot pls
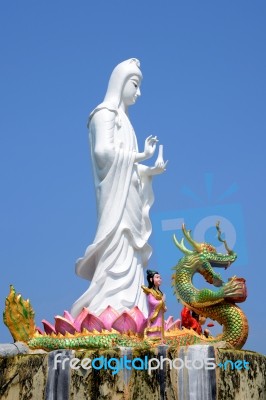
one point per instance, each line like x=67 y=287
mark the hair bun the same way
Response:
x=151 y=272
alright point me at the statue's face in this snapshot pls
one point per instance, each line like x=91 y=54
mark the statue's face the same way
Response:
x=131 y=91
x=157 y=280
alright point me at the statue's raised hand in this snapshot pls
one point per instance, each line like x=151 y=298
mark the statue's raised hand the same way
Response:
x=150 y=146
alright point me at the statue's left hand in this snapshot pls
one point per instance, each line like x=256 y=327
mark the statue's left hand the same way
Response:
x=150 y=146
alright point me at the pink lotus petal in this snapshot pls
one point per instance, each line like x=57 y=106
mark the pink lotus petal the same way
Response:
x=174 y=325
x=91 y=322
x=82 y=315
x=39 y=330
x=125 y=323
x=139 y=318
x=49 y=328
x=68 y=316
x=108 y=316
x=168 y=322
x=62 y=325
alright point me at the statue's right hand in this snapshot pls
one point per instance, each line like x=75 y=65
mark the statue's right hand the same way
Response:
x=150 y=146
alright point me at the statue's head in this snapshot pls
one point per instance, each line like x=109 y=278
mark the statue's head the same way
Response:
x=153 y=278
x=124 y=83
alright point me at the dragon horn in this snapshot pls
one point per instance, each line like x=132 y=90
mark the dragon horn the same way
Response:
x=196 y=245
x=181 y=246
x=229 y=251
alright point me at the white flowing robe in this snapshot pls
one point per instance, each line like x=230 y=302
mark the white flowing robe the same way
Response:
x=115 y=261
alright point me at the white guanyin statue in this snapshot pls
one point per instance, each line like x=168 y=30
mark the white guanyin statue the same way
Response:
x=115 y=261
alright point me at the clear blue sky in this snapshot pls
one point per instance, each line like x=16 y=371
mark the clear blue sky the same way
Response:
x=203 y=95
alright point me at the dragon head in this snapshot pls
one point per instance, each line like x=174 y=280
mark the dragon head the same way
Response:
x=207 y=255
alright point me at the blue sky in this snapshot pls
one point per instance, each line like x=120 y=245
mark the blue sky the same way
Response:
x=203 y=95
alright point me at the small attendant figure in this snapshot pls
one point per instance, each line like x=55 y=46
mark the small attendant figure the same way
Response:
x=192 y=320
x=156 y=306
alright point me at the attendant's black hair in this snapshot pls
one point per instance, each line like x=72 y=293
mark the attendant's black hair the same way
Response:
x=150 y=275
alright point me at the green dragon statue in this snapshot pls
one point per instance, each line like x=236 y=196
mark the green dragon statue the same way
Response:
x=217 y=305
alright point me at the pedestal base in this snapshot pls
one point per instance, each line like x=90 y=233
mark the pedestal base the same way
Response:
x=183 y=374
